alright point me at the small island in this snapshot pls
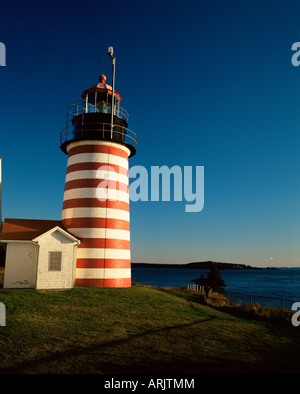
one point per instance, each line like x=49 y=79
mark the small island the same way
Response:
x=199 y=265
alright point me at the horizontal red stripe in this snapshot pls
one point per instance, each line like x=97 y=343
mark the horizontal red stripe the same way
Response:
x=104 y=243
x=96 y=223
x=78 y=183
x=94 y=202
x=124 y=282
x=103 y=263
x=98 y=149
x=95 y=166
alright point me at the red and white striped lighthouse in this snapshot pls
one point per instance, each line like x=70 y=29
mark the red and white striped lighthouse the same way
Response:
x=96 y=197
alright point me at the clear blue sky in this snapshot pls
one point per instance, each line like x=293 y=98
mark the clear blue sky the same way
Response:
x=206 y=83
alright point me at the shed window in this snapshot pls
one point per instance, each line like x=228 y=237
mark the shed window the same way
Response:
x=54 y=261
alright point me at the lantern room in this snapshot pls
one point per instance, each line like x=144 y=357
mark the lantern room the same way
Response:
x=98 y=116
x=98 y=98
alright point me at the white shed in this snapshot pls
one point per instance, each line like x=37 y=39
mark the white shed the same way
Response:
x=40 y=254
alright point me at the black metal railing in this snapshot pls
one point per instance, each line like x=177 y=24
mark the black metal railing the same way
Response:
x=79 y=107
x=99 y=130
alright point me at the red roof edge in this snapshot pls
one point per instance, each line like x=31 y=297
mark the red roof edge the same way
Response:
x=27 y=229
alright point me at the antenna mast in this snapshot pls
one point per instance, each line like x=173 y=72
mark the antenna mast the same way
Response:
x=112 y=57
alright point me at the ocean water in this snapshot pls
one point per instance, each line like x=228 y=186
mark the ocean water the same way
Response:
x=279 y=284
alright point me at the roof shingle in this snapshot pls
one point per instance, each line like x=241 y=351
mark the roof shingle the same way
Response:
x=27 y=229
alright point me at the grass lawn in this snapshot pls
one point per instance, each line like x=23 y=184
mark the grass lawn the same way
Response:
x=136 y=330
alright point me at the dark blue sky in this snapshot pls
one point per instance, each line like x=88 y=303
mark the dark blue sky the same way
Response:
x=206 y=83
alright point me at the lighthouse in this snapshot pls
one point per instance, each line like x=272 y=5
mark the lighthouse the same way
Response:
x=96 y=195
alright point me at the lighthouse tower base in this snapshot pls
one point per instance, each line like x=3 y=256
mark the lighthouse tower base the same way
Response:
x=96 y=210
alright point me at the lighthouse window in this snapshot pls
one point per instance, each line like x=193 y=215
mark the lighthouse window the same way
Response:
x=91 y=108
x=96 y=102
x=101 y=106
x=54 y=263
x=90 y=102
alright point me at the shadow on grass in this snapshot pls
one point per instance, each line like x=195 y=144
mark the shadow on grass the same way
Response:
x=143 y=366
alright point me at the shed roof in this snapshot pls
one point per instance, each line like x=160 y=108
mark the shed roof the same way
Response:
x=27 y=229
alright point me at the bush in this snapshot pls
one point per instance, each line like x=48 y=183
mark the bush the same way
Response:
x=213 y=279
x=265 y=313
x=247 y=311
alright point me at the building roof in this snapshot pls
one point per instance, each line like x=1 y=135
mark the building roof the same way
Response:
x=27 y=229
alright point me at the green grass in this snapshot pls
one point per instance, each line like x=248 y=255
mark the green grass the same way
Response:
x=136 y=330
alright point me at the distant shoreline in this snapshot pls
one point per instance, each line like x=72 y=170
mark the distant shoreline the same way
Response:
x=199 y=265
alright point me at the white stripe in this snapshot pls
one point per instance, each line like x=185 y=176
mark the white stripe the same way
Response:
x=97 y=174
x=103 y=273
x=109 y=233
x=104 y=194
x=94 y=212
x=101 y=253
x=102 y=143
x=96 y=192
x=98 y=158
